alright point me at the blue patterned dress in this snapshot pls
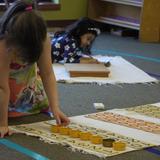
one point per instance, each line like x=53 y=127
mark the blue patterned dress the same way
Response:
x=65 y=49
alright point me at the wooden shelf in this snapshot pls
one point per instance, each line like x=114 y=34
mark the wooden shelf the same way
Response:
x=141 y=15
x=121 y=21
x=137 y=3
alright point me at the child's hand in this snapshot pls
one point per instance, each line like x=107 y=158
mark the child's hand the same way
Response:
x=5 y=131
x=61 y=118
x=89 y=60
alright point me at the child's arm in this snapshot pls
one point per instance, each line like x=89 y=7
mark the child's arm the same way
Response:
x=4 y=89
x=49 y=82
x=73 y=55
x=88 y=60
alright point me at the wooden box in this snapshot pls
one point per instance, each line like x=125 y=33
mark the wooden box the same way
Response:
x=86 y=70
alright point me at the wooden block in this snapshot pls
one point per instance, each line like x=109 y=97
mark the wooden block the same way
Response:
x=85 y=136
x=119 y=146
x=96 y=139
x=86 y=70
x=108 y=142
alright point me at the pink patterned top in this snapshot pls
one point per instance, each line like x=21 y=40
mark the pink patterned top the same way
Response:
x=27 y=95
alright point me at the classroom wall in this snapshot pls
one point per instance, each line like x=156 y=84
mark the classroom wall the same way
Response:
x=70 y=9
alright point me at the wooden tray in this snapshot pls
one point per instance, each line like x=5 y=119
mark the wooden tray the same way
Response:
x=86 y=70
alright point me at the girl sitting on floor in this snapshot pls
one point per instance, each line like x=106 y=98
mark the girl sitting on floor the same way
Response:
x=24 y=46
x=73 y=44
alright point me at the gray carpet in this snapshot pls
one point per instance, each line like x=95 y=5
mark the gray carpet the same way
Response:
x=128 y=45
x=77 y=99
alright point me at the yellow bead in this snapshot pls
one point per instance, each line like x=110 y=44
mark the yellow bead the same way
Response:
x=74 y=133
x=64 y=130
x=85 y=136
x=55 y=128
x=119 y=146
x=96 y=139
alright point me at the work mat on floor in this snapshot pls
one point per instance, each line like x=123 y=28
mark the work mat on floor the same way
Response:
x=115 y=132
x=121 y=71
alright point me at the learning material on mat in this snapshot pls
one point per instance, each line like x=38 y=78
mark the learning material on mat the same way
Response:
x=121 y=71
x=148 y=110
x=86 y=70
x=94 y=136
x=84 y=144
x=126 y=121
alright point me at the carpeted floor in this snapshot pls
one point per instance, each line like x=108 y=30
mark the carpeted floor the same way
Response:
x=77 y=99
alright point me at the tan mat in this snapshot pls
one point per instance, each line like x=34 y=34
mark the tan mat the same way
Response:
x=134 y=138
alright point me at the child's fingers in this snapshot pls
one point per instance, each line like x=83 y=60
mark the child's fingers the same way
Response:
x=11 y=132
x=4 y=133
x=58 y=121
x=65 y=122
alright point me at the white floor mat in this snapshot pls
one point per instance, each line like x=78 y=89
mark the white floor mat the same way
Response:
x=121 y=71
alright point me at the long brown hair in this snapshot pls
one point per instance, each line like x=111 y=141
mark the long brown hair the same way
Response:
x=23 y=29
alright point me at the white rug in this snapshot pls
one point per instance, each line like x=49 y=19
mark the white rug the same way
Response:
x=121 y=71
